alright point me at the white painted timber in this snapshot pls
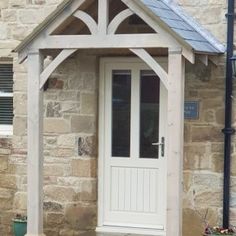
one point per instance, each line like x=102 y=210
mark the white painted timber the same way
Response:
x=132 y=191
x=49 y=28
x=35 y=147
x=105 y=41
x=133 y=6
x=117 y=20
x=147 y=17
x=6 y=130
x=103 y=12
x=115 y=231
x=176 y=72
x=54 y=64
x=88 y=20
x=94 y=233
x=60 y=19
x=189 y=55
x=203 y=59
x=150 y=61
x=142 y=13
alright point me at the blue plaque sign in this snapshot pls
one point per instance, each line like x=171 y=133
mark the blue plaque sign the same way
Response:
x=191 y=110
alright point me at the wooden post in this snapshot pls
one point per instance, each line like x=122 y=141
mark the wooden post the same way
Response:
x=176 y=73
x=103 y=13
x=35 y=146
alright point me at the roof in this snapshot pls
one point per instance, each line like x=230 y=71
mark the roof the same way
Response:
x=169 y=14
x=184 y=26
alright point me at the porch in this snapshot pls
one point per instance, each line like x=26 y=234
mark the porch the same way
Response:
x=62 y=36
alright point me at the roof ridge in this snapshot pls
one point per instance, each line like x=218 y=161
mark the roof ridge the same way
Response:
x=197 y=26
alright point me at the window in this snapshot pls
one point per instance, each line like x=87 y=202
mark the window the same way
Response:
x=6 y=99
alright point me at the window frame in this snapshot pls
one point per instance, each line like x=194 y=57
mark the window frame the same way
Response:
x=6 y=129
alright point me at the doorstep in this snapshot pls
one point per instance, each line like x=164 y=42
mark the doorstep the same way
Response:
x=93 y=233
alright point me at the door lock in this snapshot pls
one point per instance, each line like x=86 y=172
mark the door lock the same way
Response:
x=162 y=145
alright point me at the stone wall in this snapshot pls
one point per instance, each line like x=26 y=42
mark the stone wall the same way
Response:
x=70 y=140
x=18 y=18
x=210 y=14
x=8 y=186
x=71 y=154
x=70 y=146
x=203 y=154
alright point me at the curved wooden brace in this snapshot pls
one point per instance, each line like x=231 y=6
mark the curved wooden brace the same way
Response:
x=54 y=64
x=88 y=20
x=119 y=18
x=148 y=59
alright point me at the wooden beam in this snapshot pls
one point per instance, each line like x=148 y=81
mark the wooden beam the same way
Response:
x=105 y=41
x=88 y=20
x=138 y=8
x=203 y=58
x=54 y=64
x=118 y=19
x=103 y=16
x=153 y=21
x=22 y=55
x=215 y=59
x=189 y=55
x=153 y=64
x=133 y=6
x=60 y=19
x=35 y=146
x=152 y=40
x=50 y=27
x=175 y=143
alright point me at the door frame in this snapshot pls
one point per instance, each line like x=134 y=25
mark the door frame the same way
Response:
x=101 y=146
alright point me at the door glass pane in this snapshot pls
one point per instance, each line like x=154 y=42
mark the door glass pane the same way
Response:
x=121 y=100
x=149 y=114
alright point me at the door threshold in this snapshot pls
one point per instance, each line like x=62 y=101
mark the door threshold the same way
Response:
x=128 y=231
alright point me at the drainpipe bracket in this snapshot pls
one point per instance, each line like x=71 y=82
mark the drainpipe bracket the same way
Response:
x=230 y=14
x=228 y=130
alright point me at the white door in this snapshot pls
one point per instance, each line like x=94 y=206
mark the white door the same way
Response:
x=133 y=169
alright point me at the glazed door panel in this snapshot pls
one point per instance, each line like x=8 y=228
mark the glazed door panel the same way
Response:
x=134 y=183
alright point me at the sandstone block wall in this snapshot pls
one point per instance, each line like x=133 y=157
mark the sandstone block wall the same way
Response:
x=18 y=18
x=70 y=146
x=203 y=153
x=210 y=14
x=8 y=186
x=70 y=140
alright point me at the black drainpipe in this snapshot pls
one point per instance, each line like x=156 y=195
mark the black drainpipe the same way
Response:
x=228 y=130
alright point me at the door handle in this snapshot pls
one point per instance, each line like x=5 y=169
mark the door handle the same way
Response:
x=162 y=145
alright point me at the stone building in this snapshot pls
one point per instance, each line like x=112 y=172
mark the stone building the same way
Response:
x=78 y=191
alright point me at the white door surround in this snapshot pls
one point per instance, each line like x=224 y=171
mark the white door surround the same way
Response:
x=132 y=190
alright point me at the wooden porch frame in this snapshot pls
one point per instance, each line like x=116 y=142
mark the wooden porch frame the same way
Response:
x=174 y=84
x=175 y=118
x=35 y=146
x=88 y=20
x=115 y=23
x=150 y=61
x=54 y=64
x=102 y=36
